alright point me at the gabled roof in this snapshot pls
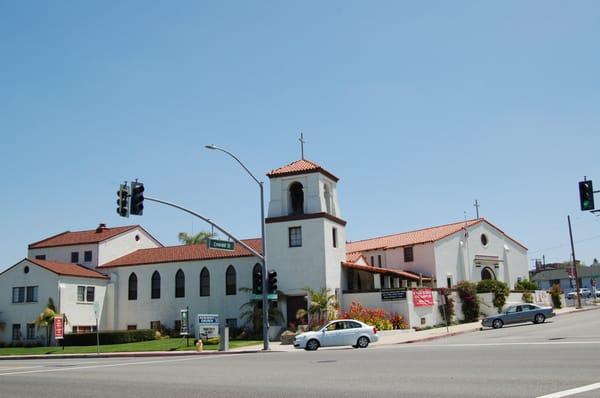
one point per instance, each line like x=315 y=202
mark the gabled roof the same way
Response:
x=69 y=238
x=420 y=236
x=183 y=253
x=68 y=269
x=301 y=166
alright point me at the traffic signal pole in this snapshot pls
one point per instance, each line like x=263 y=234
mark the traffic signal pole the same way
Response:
x=574 y=264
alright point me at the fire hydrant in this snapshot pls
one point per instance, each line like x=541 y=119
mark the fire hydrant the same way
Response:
x=199 y=345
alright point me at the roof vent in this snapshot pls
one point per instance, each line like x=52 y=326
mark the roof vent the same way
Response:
x=101 y=228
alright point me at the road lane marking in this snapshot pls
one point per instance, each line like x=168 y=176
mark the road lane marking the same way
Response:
x=72 y=368
x=572 y=391
x=502 y=344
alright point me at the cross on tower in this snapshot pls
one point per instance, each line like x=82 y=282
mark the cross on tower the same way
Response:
x=477 y=208
x=301 y=139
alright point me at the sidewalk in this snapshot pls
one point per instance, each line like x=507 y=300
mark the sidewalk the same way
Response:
x=386 y=337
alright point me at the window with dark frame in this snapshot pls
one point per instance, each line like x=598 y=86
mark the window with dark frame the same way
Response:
x=16 y=331
x=131 y=327
x=449 y=282
x=155 y=294
x=180 y=284
x=132 y=287
x=373 y=261
x=231 y=323
x=32 y=294
x=334 y=236
x=87 y=256
x=379 y=260
x=80 y=293
x=75 y=257
x=40 y=257
x=30 y=331
x=408 y=254
x=230 y=281
x=18 y=295
x=89 y=294
x=204 y=283
x=295 y=236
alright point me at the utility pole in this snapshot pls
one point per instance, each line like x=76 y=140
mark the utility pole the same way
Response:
x=574 y=264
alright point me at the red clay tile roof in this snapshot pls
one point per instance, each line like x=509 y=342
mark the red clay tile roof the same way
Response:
x=386 y=271
x=408 y=238
x=182 y=253
x=68 y=269
x=301 y=166
x=69 y=238
x=354 y=257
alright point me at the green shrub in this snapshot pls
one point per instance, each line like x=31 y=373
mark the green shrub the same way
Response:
x=499 y=288
x=526 y=285
x=109 y=337
x=555 y=294
x=527 y=297
x=467 y=291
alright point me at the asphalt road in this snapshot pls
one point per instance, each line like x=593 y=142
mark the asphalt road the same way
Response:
x=518 y=361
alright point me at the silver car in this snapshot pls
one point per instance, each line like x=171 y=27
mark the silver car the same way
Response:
x=337 y=333
x=518 y=314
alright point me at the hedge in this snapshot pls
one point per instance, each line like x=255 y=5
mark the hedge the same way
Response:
x=109 y=337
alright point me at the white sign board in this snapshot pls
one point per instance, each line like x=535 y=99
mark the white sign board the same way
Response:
x=542 y=297
x=208 y=326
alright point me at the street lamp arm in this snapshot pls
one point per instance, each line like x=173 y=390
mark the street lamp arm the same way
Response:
x=246 y=246
x=214 y=147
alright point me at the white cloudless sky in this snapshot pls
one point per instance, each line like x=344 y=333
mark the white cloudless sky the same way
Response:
x=419 y=108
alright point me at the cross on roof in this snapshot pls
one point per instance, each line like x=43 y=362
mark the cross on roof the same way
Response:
x=301 y=139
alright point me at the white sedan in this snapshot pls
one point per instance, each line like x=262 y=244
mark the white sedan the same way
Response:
x=338 y=333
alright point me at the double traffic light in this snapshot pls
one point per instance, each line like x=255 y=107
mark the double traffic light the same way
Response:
x=130 y=200
x=272 y=282
x=123 y=200
x=586 y=195
x=257 y=287
x=257 y=283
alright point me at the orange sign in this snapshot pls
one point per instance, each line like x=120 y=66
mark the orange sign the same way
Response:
x=59 y=330
x=422 y=297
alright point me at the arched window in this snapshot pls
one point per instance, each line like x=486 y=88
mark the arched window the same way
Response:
x=230 y=284
x=132 y=287
x=204 y=282
x=155 y=285
x=180 y=284
x=256 y=280
x=487 y=273
x=297 y=198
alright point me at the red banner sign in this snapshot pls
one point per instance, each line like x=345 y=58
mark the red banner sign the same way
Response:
x=422 y=297
x=59 y=330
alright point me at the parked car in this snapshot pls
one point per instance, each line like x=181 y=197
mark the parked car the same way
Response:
x=338 y=333
x=584 y=292
x=519 y=314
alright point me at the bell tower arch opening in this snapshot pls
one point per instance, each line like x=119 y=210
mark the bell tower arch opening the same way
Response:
x=296 y=198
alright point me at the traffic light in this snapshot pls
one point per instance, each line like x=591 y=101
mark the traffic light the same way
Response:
x=257 y=283
x=272 y=282
x=137 y=198
x=586 y=195
x=123 y=200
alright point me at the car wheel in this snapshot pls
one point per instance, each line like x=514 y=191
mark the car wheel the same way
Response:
x=539 y=318
x=312 y=345
x=362 y=342
x=497 y=323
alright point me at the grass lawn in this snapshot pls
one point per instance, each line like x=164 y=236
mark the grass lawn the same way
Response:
x=173 y=344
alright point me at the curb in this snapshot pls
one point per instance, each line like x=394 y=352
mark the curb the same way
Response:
x=146 y=354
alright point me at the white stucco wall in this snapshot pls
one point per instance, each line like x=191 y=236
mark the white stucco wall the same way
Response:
x=166 y=309
x=125 y=243
x=80 y=313
x=62 y=254
x=423 y=255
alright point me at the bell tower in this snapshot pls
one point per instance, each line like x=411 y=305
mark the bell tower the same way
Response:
x=306 y=238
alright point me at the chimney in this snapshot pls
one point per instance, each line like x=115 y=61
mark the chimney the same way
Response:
x=101 y=228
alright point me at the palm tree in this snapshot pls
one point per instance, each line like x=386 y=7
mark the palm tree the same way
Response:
x=322 y=306
x=194 y=239
x=252 y=313
x=46 y=318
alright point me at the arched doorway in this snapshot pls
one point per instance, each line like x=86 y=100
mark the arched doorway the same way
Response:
x=487 y=273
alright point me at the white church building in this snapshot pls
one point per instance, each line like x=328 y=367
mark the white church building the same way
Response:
x=130 y=280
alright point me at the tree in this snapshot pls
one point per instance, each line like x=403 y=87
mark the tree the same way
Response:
x=194 y=239
x=252 y=313
x=46 y=318
x=322 y=306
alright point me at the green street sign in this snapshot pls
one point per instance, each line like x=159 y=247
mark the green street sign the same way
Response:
x=272 y=296
x=220 y=244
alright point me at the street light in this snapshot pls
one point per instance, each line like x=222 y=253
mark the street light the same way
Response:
x=265 y=301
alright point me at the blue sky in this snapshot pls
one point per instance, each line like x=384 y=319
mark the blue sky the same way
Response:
x=419 y=108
